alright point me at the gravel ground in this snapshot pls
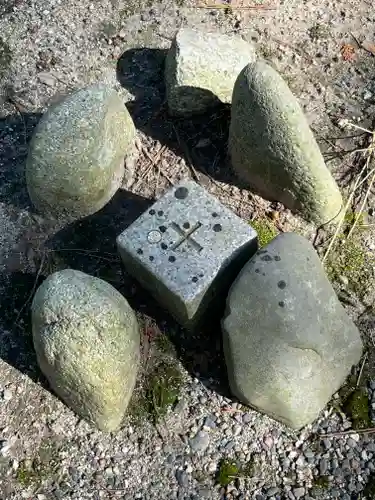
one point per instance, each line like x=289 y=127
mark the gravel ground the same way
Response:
x=47 y=48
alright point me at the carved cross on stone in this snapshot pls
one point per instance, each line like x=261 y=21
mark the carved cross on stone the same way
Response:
x=186 y=236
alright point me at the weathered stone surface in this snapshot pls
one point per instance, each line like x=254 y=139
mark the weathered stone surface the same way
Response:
x=288 y=342
x=86 y=339
x=201 y=69
x=76 y=158
x=186 y=249
x=273 y=150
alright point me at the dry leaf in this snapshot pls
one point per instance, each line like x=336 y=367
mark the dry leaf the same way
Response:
x=348 y=52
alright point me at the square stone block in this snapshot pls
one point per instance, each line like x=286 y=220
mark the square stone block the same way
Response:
x=186 y=250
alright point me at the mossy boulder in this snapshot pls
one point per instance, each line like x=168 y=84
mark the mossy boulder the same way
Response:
x=76 y=158
x=273 y=150
x=86 y=338
x=201 y=69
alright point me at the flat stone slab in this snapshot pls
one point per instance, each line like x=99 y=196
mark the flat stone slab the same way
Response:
x=288 y=342
x=186 y=249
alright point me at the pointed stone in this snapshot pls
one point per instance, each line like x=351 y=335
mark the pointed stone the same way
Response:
x=273 y=149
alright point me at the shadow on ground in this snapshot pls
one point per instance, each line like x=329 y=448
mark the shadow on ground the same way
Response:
x=89 y=245
x=15 y=134
x=201 y=141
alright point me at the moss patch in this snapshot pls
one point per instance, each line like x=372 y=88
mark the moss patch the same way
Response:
x=321 y=482
x=356 y=407
x=163 y=389
x=159 y=393
x=228 y=472
x=265 y=229
x=350 y=259
x=45 y=464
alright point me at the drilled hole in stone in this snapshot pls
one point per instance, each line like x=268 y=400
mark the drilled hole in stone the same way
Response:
x=151 y=258
x=181 y=193
x=152 y=212
x=217 y=228
x=194 y=279
x=139 y=251
x=186 y=225
x=214 y=214
x=160 y=213
x=172 y=258
x=164 y=246
x=201 y=275
x=162 y=229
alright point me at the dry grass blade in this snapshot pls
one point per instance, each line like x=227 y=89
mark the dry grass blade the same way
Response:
x=234 y=7
x=154 y=161
x=370 y=157
x=31 y=294
x=359 y=181
x=369 y=430
x=361 y=370
x=185 y=149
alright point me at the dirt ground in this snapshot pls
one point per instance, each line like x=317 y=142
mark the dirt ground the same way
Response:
x=325 y=51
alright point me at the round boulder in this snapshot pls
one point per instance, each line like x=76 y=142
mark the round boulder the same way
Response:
x=86 y=338
x=76 y=158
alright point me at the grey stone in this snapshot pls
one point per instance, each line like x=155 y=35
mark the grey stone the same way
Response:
x=323 y=466
x=327 y=444
x=201 y=69
x=182 y=478
x=298 y=492
x=246 y=418
x=282 y=362
x=186 y=249
x=273 y=150
x=86 y=338
x=350 y=442
x=371 y=447
x=309 y=453
x=200 y=441
x=76 y=157
x=273 y=491
x=210 y=423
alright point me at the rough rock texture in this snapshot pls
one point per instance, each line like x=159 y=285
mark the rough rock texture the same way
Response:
x=201 y=69
x=87 y=342
x=289 y=343
x=76 y=158
x=272 y=147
